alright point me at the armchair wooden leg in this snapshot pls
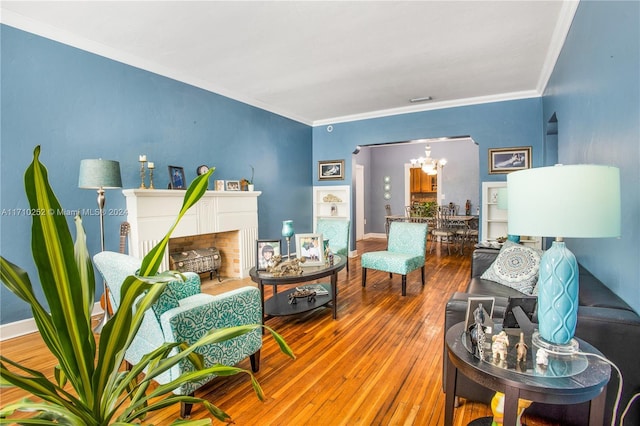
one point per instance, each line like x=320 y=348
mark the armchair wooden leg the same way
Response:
x=422 y=275
x=185 y=408
x=364 y=277
x=404 y=285
x=390 y=275
x=255 y=361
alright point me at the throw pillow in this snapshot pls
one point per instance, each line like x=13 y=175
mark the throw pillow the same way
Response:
x=516 y=266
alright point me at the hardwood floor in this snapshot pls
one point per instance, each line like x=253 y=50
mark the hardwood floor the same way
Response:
x=379 y=363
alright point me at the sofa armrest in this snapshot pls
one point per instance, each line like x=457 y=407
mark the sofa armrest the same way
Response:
x=481 y=260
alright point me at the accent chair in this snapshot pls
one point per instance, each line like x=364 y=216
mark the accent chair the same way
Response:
x=405 y=252
x=184 y=314
x=337 y=232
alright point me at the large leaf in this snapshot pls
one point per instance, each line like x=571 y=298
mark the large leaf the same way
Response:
x=51 y=244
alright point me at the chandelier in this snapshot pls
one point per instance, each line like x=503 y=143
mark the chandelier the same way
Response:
x=426 y=163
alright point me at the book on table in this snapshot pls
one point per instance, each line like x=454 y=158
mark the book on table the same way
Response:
x=318 y=288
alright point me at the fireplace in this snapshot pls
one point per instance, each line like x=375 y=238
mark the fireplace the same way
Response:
x=221 y=219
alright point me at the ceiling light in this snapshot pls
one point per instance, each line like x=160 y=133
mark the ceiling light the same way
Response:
x=428 y=164
x=422 y=99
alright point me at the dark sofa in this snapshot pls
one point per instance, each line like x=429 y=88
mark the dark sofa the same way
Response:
x=604 y=320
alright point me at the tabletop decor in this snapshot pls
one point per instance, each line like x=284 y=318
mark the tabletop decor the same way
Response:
x=287 y=233
x=142 y=159
x=576 y=201
x=176 y=178
x=310 y=247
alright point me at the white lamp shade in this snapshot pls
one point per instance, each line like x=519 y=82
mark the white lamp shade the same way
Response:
x=99 y=173
x=576 y=201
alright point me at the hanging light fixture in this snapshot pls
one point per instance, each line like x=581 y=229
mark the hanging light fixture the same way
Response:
x=428 y=164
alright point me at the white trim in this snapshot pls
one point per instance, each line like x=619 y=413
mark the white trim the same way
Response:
x=28 y=326
x=430 y=106
x=563 y=25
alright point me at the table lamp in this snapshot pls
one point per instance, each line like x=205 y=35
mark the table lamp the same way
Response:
x=575 y=201
x=287 y=233
x=503 y=204
x=100 y=175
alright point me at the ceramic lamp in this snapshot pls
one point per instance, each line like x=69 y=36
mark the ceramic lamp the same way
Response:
x=576 y=201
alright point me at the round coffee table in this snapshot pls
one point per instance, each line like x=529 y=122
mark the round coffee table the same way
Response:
x=279 y=305
x=589 y=383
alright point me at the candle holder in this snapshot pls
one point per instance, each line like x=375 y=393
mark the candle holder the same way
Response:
x=287 y=233
x=142 y=186
x=151 y=178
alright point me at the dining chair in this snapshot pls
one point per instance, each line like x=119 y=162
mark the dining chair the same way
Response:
x=467 y=234
x=443 y=232
x=405 y=252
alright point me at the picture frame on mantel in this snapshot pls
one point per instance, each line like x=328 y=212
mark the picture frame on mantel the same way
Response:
x=331 y=170
x=507 y=160
x=176 y=178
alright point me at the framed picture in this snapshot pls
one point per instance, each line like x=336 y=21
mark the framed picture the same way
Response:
x=176 y=178
x=309 y=246
x=233 y=185
x=474 y=303
x=331 y=170
x=265 y=250
x=219 y=185
x=505 y=160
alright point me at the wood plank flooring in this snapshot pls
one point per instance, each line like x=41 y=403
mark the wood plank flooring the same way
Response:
x=379 y=363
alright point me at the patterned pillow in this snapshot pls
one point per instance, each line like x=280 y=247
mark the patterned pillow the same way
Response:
x=516 y=266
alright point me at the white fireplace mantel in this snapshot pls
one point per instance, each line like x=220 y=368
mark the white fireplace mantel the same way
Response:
x=151 y=212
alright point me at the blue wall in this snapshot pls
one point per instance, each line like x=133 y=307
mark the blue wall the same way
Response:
x=493 y=125
x=595 y=93
x=79 y=105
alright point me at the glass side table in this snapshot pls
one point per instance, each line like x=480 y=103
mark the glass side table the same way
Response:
x=572 y=380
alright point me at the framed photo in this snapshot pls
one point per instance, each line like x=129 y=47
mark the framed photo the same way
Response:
x=331 y=170
x=474 y=303
x=505 y=160
x=265 y=250
x=232 y=185
x=219 y=185
x=176 y=178
x=310 y=246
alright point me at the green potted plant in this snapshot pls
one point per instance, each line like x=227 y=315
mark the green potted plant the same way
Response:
x=102 y=394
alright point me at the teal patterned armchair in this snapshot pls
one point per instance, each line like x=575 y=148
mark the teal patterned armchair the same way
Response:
x=405 y=252
x=337 y=232
x=184 y=314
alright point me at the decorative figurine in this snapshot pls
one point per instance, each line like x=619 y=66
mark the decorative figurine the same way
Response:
x=286 y=268
x=476 y=332
x=521 y=349
x=499 y=346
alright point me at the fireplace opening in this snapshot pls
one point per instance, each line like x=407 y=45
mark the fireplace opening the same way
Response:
x=226 y=244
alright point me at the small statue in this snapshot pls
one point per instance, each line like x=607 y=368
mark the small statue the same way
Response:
x=310 y=295
x=521 y=349
x=499 y=346
x=287 y=268
x=476 y=332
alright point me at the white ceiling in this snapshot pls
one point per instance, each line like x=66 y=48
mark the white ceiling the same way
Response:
x=322 y=62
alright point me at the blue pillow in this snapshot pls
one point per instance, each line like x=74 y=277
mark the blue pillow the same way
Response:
x=516 y=266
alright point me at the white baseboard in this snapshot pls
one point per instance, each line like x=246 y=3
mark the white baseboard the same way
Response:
x=28 y=326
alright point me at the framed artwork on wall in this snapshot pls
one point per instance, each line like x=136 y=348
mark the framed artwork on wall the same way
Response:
x=506 y=160
x=331 y=170
x=176 y=178
x=265 y=250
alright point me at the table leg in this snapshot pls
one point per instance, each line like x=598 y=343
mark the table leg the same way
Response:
x=511 y=396
x=261 y=287
x=334 y=294
x=450 y=389
x=596 y=408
